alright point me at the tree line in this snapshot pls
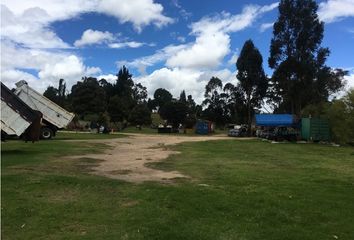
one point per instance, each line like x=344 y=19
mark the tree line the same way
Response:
x=301 y=80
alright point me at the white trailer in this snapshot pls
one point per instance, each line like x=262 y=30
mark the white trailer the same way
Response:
x=54 y=116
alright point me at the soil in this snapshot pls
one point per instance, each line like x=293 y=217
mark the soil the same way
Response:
x=127 y=157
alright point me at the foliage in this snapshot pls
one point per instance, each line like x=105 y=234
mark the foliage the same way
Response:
x=215 y=103
x=140 y=115
x=300 y=75
x=57 y=95
x=139 y=93
x=253 y=82
x=341 y=117
x=235 y=103
x=174 y=112
x=88 y=97
x=161 y=97
x=340 y=113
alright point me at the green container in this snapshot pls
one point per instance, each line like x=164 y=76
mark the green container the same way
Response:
x=315 y=129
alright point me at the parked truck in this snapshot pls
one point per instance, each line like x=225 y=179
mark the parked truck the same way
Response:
x=54 y=116
x=17 y=118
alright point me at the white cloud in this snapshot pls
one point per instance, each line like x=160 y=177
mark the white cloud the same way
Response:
x=131 y=44
x=177 y=79
x=335 y=10
x=190 y=66
x=108 y=77
x=350 y=80
x=139 y=12
x=50 y=66
x=265 y=26
x=27 y=37
x=233 y=59
x=212 y=42
x=90 y=37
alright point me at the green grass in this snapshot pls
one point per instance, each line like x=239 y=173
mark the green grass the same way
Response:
x=238 y=190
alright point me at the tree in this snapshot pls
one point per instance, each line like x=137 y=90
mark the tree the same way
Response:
x=182 y=97
x=88 y=97
x=174 y=112
x=253 y=81
x=123 y=99
x=215 y=102
x=51 y=93
x=300 y=75
x=57 y=95
x=118 y=109
x=235 y=103
x=161 y=97
x=61 y=92
x=140 y=115
x=341 y=118
x=139 y=93
x=124 y=84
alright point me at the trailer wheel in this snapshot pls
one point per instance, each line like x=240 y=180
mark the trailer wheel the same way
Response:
x=46 y=133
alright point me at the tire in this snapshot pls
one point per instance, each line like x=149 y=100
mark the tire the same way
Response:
x=46 y=133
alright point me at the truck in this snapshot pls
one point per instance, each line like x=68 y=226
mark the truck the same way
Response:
x=54 y=116
x=17 y=118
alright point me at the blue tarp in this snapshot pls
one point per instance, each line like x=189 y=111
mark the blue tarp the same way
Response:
x=274 y=120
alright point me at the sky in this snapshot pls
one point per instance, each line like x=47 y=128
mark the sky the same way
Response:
x=172 y=44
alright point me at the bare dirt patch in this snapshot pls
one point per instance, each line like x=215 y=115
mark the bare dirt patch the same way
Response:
x=126 y=158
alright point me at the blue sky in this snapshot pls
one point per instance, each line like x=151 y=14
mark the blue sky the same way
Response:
x=174 y=44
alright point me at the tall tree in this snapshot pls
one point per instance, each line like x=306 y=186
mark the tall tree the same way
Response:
x=51 y=93
x=122 y=101
x=300 y=76
x=175 y=112
x=57 y=95
x=161 y=97
x=235 y=103
x=140 y=115
x=182 y=97
x=139 y=93
x=253 y=81
x=88 y=97
x=215 y=102
x=124 y=84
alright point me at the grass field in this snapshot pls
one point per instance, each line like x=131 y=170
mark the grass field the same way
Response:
x=237 y=190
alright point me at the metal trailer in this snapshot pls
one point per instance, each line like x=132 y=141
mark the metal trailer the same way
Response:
x=54 y=116
x=277 y=126
x=17 y=118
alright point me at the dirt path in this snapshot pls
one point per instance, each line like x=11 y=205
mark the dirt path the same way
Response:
x=127 y=158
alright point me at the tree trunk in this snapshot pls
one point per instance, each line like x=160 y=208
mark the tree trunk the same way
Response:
x=249 y=117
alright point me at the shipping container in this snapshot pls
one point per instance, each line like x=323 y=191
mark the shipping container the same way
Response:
x=204 y=127
x=315 y=129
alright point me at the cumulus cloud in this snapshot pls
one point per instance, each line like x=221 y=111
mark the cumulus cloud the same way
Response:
x=139 y=12
x=131 y=44
x=350 y=80
x=335 y=10
x=42 y=57
x=48 y=66
x=265 y=26
x=211 y=45
x=108 y=77
x=90 y=37
x=190 y=66
x=179 y=79
x=212 y=42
